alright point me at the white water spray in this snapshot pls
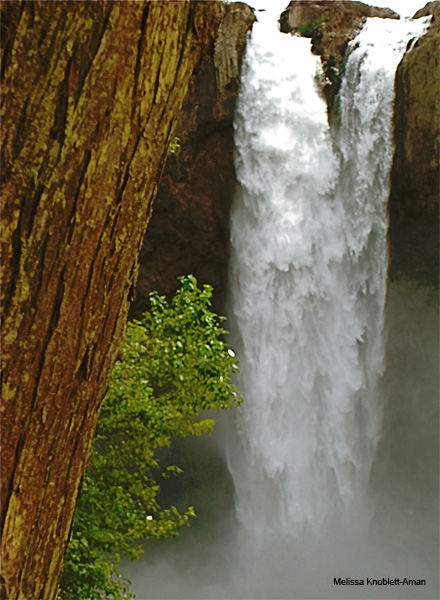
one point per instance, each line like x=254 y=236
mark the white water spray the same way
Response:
x=307 y=279
x=308 y=276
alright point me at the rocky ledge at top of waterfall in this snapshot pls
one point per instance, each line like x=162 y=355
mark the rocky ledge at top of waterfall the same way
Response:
x=331 y=26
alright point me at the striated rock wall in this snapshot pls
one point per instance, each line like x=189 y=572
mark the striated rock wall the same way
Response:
x=414 y=197
x=189 y=229
x=91 y=93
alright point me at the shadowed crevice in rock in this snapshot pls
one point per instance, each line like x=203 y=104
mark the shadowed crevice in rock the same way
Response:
x=189 y=229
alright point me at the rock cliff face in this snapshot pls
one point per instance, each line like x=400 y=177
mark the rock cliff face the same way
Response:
x=91 y=93
x=189 y=229
x=414 y=197
x=414 y=194
x=331 y=26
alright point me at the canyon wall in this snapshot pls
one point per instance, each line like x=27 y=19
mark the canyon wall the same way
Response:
x=189 y=229
x=91 y=92
x=415 y=176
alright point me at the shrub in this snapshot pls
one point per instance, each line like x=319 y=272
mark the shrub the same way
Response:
x=173 y=365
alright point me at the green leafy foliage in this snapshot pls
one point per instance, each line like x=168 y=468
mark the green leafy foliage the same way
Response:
x=174 y=147
x=173 y=365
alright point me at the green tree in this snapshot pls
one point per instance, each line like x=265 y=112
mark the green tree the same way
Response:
x=173 y=365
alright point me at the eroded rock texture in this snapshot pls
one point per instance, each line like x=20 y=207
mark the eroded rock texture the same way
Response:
x=91 y=94
x=331 y=26
x=189 y=229
x=414 y=198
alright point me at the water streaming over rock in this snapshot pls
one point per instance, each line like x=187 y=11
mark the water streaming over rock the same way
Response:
x=308 y=273
x=307 y=296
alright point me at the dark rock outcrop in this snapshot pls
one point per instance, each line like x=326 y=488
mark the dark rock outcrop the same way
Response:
x=414 y=196
x=432 y=8
x=331 y=26
x=189 y=229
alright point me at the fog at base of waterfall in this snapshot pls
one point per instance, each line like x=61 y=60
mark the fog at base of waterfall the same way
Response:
x=333 y=456
x=391 y=534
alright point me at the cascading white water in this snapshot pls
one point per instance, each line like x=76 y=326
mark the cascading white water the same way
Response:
x=307 y=275
x=307 y=281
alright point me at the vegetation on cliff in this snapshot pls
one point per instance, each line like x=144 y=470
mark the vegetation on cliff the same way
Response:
x=173 y=365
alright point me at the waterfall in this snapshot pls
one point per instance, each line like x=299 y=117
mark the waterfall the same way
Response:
x=315 y=446
x=307 y=276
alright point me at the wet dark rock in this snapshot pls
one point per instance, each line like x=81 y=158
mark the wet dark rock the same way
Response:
x=415 y=192
x=331 y=26
x=189 y=228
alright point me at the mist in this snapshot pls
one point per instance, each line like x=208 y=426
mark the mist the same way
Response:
x=324 y=484
x=391 y=533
